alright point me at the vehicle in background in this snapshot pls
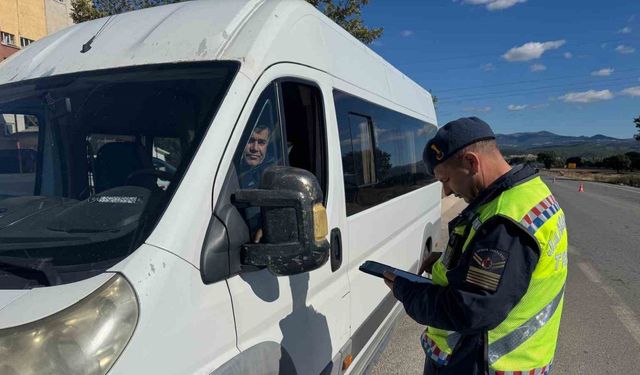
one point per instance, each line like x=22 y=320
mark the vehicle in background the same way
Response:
x=144 y=154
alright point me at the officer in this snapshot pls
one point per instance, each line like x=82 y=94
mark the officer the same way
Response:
x=495 y=303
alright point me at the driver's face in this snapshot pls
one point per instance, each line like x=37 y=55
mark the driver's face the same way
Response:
x=256 y=148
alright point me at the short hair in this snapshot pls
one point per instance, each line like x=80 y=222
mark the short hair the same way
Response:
x=262 y=127
x=481 y=147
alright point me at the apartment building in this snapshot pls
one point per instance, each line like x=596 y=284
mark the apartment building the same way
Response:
x=24 y=21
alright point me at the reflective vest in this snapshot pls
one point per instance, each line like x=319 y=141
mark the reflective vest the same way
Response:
x=526 y=340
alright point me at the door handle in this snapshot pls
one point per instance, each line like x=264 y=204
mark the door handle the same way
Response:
x=336 y=249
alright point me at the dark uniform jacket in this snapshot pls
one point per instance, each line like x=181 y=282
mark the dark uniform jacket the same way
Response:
x=467 y=308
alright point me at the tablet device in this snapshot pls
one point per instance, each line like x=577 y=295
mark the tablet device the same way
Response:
x=377 y=269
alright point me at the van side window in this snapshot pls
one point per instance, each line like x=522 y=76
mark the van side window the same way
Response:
x=286 y=127
x=381 y=152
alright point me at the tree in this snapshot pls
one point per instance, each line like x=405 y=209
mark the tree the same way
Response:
x=635 y=159
x=346 y=13
x=577 y=160
x=637 y=122
x=549 y=159
x=618 y=162
x=83 y=10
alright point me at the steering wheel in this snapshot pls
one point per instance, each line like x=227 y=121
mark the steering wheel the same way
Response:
x=166 y=176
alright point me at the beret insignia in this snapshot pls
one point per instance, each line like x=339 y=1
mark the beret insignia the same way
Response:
x=439 y=154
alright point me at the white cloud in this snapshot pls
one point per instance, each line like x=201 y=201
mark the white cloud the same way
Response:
x=632 y=18
x=568 y=55
x=604 y=72
x=538 y=68
x=625 y=30
x=631 y=91
x=531 y=50
x=587 y=96
x=503 y=4
x=477 y=109
x=406 y=33
x=488 y=67
x=516 y=107
x=495 y=4
x=540 y=106
x=603 y=45
x=625 y=49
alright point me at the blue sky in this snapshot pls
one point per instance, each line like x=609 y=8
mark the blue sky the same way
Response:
x=567 y=66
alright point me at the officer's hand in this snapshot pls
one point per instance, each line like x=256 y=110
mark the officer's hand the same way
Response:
x=389 y=278
x=427 y=264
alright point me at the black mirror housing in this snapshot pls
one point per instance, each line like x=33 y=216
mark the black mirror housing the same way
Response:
x=294 y=222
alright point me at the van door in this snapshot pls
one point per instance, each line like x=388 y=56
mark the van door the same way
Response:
x=296 y=324
x=390 y=214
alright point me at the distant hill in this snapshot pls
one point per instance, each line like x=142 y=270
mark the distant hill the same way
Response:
x=597 y=146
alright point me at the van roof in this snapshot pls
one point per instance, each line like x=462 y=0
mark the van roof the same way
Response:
x=258 y=33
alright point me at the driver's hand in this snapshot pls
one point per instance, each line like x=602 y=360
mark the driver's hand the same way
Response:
x=258 y=236
x=427 y=264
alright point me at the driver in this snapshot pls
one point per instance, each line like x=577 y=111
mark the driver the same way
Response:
x=253 y=158
x=251 y=166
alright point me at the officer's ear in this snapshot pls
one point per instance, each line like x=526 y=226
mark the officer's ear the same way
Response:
x=471 y=162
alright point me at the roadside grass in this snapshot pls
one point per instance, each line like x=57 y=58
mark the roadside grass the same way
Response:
x=631 y=180
x=598 y=175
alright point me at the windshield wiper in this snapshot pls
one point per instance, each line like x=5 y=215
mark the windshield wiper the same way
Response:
x=37 y=269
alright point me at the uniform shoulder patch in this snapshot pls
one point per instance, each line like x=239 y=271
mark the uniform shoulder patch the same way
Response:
x=486 y=268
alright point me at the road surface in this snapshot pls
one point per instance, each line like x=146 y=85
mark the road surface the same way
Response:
x=600 y=329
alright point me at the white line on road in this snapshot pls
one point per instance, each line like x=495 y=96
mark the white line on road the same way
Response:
x=622 y=311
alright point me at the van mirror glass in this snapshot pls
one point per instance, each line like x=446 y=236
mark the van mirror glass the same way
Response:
x=293 y=222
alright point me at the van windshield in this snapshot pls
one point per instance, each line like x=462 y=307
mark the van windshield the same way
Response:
x=89 y=161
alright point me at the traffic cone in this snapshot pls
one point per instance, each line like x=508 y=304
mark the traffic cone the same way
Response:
x=581 y=188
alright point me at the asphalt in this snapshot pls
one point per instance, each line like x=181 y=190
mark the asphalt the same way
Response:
x=600 y=329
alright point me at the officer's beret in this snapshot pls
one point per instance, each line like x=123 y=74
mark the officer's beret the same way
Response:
x=453 y=137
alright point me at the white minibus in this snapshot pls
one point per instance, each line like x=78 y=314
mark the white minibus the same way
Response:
x=191 y=188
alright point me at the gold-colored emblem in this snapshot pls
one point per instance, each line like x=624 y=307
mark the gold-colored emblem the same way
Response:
x=439 y=154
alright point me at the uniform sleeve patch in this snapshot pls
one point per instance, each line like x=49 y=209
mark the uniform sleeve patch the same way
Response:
x=486 y=268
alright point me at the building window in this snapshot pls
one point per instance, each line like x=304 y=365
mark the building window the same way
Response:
x=25 y=42
x=7 y=38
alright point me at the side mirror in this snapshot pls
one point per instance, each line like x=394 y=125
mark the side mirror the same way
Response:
x=294 y=222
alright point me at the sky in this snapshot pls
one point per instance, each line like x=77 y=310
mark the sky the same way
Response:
x=571 y=67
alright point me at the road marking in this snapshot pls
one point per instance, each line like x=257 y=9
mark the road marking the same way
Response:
x=622 y=311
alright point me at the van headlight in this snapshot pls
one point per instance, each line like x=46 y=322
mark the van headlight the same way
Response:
x=85 y=338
